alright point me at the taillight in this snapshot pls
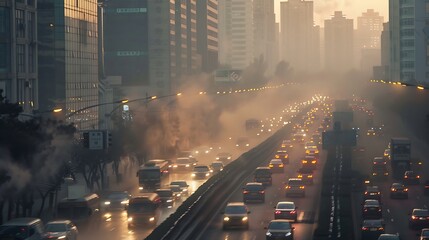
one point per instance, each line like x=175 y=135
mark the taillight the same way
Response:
x=418 y=177
x=393 y=190
x=301 y=187
x=261 y=192
x=281 y=165
x=414 y=217
x=426 y=187
x=278 y=212
x=380 y=229
x=313 y=162
x=364 y=228
x=245 y=192
x=292 y=212
x=406 y=177
x=271 y=165
x=406 y=190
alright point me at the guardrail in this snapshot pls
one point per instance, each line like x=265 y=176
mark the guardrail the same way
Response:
x=189 y=218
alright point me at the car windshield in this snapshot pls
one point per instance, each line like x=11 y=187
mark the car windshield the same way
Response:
x=217 y=165
x=279 y=226
x=285 y=206
x=276 y=162
x=117 y=196
x=175 y=188
x=14 y=232
x=425 y=233
x=254 y=187
x=372 y=223
x=421 y=212
x=56 y=227
x=295 y=182
x=181 y=184
x=235 y=210
x=141 y=207
x=183 y=160
x=263 y=172
x=201 y=169
x=69 y=212
x=165 y=193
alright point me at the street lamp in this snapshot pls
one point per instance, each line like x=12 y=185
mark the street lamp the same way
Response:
x=38 y=113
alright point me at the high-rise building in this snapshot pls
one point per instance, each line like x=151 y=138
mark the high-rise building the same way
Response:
x=382 y=71
x=264 y=32
x=236 y=48
x=368 y=32
x=207 y=34
x=338 y=43
x=409 y=55
x=68 y=59
x=299 y=37
x=157 y=47
x=18 y=52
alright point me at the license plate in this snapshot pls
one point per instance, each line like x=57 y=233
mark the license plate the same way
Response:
x=373 y=229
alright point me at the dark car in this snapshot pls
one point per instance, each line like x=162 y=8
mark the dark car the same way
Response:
x=372 y=192
x=389 y=237
x=283 y=155
x=306 y=175
x=279 y=229
x=61 y=229
x=424 y=234
x=372 y=229
x=371 y=209
x=254 y=191
x=411 y=178
x=263 y=175
x=117 y=200
x=236 y=214
x=419 y=218
x=398 y=190
x=167 y=197
x=276 y=166
x=286 y=210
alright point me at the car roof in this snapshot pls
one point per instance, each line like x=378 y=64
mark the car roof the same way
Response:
x=398 y=185
x=59 y=222
x=179 y=181
x=280 y=220
x=373 y=222
x=236 y=204
x=286 y=203
x=164 y=189
x=22 y=221
x=254 y=184
x=276 y=160
x=372 y=188
x=295 y=179
x=372 y=202
x=263 y=168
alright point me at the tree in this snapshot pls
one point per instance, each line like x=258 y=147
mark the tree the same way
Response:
x=283 y=71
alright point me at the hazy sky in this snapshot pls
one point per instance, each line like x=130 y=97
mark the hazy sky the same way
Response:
x=323 y=9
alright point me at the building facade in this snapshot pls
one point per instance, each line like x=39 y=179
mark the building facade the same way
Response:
x=338 y=43
x=264 y=21
x=207 y=34
x=368 y=33
x=18 y=52
x=409 y=55
x=68 y=59
x=299 y=37
x=236 y=33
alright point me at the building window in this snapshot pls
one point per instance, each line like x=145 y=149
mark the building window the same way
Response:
x=31 y=25
x=4 y=21
x=20 y=58
x=4 y=57
x=31 y=59
x=20 y=23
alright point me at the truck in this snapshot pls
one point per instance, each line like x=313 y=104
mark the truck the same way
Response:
x=400 y=156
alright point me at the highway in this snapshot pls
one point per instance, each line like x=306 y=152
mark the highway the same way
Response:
x=395 y=211
x=262 y=213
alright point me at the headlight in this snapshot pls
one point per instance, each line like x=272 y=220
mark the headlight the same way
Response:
x=229 y=158
x=268 y=234
x=226 y=219
x=288 y=234
x=140 y=188
x=61 y=237
x=125 y=202
x=187 y=165
x=207 y=174
x=151 y=219
x=130 y=219
x=107 y=203
x=247 y=145
x=217 y=158
x=169 y=200
x=244 y=219
x=193 y=174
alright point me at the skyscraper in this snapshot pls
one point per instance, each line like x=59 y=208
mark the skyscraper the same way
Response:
x=18 y=52
x=207 y=34
x=68 y=59
x=236 y=48
x=299 y=37
x=264 y=32
x=338 y=43
x=408 y=25
x=369 y=27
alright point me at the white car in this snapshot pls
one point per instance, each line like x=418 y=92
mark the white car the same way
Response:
x=61 y=229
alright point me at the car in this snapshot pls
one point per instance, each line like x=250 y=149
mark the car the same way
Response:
x=317 y=139
x=217 y=166
x=424 y=234
x=372 y=192
x=371 y=209
x=183 y=186
x=201 y=150
x=286 y=210
x=389 y=237
x=372 y=229
x=282 y=155
x=312 y=151
x=386 y=153
x=279 y=229
x=287 y=144
x=167 y=196
x=419 y=218
x=426 y=189
x=263 y=175
x=379 y=161
x=276 y=166
x=236 y=214
x=370 y=132
x=184 y=163
x=22 y=228
x=295 y=186
x=299 y=137
x=224 y=157
x=380 y=171
x=201 y=172
x=309 y=145
x=398 y=190
x=254 y=191
x=242 y=142
x=411 y=178
x=309 y=162
x=117 y=200
x=61 y=229
x=306 y=175
x=177 y=192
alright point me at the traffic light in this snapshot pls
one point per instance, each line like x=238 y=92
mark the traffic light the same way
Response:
x=86 y=139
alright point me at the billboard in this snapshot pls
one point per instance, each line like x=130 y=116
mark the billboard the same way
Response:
x=228 y=75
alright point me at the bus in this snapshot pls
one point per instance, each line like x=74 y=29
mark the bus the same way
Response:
x=151 y=173
x=83 y=211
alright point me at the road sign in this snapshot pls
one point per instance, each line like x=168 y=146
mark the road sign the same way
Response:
x=96 y=140
x=346 y=138
x=343 y=117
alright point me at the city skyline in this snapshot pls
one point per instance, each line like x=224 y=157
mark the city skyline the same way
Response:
x=324 y=9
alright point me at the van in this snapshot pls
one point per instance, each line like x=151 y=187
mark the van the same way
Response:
x=23 y=229
x=84 y=212
x=144 y=209
x=263 y=175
